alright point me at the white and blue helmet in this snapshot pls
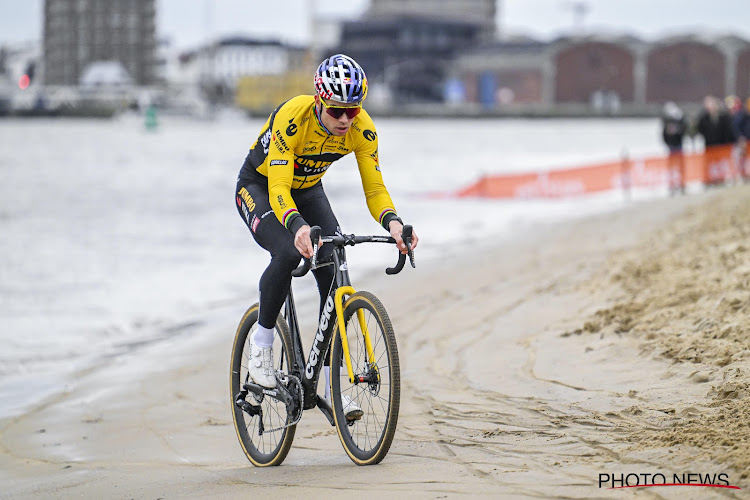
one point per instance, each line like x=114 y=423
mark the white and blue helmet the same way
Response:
x=340 y=78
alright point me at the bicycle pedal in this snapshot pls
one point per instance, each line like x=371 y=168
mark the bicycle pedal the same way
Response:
x=353 y=416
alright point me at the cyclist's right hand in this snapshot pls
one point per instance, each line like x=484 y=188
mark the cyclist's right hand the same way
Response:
x=396 y=228
x=302 y=241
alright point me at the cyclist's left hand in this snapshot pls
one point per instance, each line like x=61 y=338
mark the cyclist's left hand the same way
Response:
x=396 y=228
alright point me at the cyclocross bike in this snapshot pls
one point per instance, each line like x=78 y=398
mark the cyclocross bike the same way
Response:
x=354 y=331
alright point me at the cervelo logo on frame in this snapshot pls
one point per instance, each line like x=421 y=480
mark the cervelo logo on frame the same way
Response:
x=323 y=326
x=647 y=480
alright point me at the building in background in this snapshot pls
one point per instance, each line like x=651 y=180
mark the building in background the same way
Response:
x=480 y=12
x=407 y=58
x=601 y=73
x=79 y=33
x=443 y=56
x=256 y=75
x=407 y=46
x=223 y=64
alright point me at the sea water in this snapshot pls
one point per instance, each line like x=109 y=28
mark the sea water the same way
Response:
x=114 y=236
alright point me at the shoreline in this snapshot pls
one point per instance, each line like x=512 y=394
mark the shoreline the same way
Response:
x=495 y=397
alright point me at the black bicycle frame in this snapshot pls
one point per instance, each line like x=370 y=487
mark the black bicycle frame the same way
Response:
x=308 y=370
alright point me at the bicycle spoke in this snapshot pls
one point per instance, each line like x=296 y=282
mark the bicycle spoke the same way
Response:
x=270 y=447
x=368 y=439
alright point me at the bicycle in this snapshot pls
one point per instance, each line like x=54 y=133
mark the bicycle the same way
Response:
x=363 y=358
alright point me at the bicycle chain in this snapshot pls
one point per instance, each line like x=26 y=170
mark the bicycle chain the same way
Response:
x=301 y=399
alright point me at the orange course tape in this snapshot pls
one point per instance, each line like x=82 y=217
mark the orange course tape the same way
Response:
x=716 y=165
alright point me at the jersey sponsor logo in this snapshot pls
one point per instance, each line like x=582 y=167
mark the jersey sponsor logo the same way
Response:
x=291 y=129
x=265 y=141
x=254 y=223
x=245 y=211
x=247 y=198
x=311 y=163
x=279 y=162
x=279 y=141
x=307 y=149
x=304 y=170
x=312 y=361
x=280 y=199
x=369 y=135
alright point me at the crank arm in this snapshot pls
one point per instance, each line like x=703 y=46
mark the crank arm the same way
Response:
x=324 y=407
x=279 y=393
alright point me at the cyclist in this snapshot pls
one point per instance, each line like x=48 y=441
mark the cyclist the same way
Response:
x=280 y=194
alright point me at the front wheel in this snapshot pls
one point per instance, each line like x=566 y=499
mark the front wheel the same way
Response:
x=377 y=385
x=263 y=427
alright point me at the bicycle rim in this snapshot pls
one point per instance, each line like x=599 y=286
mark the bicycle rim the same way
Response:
x=268 y=448
x=368 y=439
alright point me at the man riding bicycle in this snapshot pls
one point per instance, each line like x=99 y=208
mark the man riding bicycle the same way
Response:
x=280 y=194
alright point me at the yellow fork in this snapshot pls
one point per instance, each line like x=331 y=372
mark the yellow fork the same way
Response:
x=342 y=329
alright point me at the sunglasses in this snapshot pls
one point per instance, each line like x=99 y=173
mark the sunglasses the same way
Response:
x=337 y=111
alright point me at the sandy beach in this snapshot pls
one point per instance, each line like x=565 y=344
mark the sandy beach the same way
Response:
x=531 y=366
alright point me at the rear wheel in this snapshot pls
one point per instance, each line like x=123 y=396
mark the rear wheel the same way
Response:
x=377 y=386
x=271 y=446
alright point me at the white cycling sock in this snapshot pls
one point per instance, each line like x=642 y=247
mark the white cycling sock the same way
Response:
x=327 y=371
x=264 y=337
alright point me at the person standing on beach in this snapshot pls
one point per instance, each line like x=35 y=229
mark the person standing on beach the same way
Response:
x=280 y=194
x=741 y=126
x=674 y=128
x=715 y=125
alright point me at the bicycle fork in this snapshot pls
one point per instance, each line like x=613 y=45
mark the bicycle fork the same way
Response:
x=339 y=302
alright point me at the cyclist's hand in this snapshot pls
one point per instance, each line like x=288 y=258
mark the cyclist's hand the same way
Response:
x=302 y=241
x=396 y=229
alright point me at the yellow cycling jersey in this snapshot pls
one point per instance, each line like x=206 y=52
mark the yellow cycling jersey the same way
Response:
x=294 y=150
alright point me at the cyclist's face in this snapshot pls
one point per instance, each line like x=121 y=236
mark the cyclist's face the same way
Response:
x=337 y=126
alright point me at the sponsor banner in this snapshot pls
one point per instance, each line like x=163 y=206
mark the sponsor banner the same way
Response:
x=716 y=165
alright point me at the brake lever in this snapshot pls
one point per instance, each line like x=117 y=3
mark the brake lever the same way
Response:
x=406 y=236
x=315 y=237
x=409 y=251
x=311 y=262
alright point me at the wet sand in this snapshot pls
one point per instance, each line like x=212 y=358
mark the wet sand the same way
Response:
x=531 y=365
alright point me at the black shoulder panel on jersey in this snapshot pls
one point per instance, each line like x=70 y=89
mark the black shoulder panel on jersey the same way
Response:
x=258 y=153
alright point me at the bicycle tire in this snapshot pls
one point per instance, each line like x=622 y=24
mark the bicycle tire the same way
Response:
x=271 y=448
x=368 y=439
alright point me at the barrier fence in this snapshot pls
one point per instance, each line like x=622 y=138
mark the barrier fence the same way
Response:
x=717 y=165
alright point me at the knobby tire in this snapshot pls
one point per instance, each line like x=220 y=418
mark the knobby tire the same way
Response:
x=271 y=448
x=368 y=439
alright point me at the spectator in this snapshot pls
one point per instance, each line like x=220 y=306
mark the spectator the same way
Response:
x=674 y=128
x=715 y=125
x=741 y=128
x=733 y=104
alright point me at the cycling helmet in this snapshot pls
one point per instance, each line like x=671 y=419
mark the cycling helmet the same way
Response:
x=341 y=79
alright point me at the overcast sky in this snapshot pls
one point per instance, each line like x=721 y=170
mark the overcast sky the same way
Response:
x=188 y=22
